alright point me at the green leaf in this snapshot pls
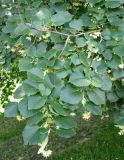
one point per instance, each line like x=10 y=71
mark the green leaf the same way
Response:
x=94 y=109
x=81 y=42
x=106 y=33
x=76 y=24
x=61 y=17
x=56 y=91
x=30 y=87
x=35 y=119
x=44 y=90
x=114 y=3
x=50 y=54
x=25 y=64
x=119 y=119
x=9 y=28
x=40 y=137
x=41 y=49
x=86 y=20
x=20 y=28
x=97 y=81
x=115 y=61
x=55 y=1
x=108 y=54
x=94 y=1
x=35 y=74
x=44 y=15
x=70 y=95
x=59 y=109
x=34 y=135
x=28 y=133
x=84 y=59
x=11 y=109
x=78 y=79
x=102 y=82
x=62 y=73
x=65 y=122
x=51 y=80
x=112 y=97
x=120 y=91
x=118 y=73
x=36 y=102
x=32 y=52
x=56 y=38
x=23 y=109
x=119 y=50
x=75 y=59
x=96 y=96
x=19 y=93
x=66 y=133
x=115 y=20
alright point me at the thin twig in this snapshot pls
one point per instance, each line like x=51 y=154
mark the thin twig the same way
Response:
x=65 y=45
x=54 y=31
x=45 y=30
x=60 y=33
x=57 y=32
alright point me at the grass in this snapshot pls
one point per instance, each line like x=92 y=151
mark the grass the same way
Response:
x=96 y=140
x=105 y=145
x=9 y=128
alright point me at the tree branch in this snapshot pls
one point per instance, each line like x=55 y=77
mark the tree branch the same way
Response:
x=52 y=31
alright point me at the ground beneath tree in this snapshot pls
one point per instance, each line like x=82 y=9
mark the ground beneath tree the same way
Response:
x=96 y=139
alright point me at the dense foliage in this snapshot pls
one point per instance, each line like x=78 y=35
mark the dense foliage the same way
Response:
x=72 y=61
